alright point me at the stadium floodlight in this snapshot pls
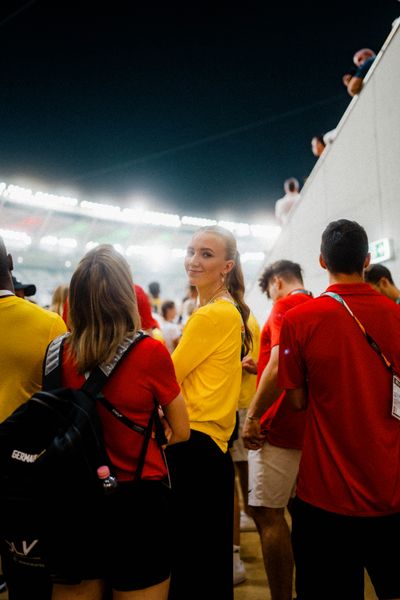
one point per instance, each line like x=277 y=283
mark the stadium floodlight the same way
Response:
x=18 y=194
x=149 y=217
x=197 y=221
x=53 y=201
x=99 y=210
x=15 y=239
x=67 y=243
x=50 y=242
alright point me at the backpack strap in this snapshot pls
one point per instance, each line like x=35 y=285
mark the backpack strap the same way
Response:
x=51 y=376
x=99 y=376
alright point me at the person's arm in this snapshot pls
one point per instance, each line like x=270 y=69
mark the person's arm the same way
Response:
x=267 y=393
x=176 y=415
x=249 y=365
x=354 y=86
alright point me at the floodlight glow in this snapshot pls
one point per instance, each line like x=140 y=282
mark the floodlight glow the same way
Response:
x=255 y=256
x=265 y=231
x=2 y=187
x=90 y=245
x=68 y=263
x=67 y=243
x=49 y=241
x=16 y=239
x=20 y=260
x=18 y=194
x=197 y=221
x=54 y=201
x=159 y=218
x=119 y=248
x=178 y=253
x=136 y=250
x=103 y=211
x=241 y=229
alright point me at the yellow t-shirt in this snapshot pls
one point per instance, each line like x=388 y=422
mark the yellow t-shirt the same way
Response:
x=208 y=368
x=249 y=380
x=25 y=332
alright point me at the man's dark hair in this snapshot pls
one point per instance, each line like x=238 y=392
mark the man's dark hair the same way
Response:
x=4 y=266
x=374 y=273
x=344 y=247
x=291 y=185
x=165 y=306
x=154 y=289
x=288 y=270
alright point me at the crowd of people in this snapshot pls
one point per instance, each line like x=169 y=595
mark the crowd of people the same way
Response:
x=353 y=80
x=304 y=413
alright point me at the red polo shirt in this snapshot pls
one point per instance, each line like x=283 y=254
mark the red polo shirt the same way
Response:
x=283 y=426
x=351 y=456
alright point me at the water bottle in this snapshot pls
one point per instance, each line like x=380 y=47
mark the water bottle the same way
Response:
x=109 y=482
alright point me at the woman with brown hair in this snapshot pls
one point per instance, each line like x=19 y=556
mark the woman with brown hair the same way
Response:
x=122 y=549
x=207 y=363
x=58 y=299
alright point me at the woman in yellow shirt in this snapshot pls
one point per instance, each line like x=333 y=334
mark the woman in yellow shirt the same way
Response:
x=207 y=362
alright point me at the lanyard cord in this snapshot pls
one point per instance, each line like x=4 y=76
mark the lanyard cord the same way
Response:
x=369 y=339
x=300 y=291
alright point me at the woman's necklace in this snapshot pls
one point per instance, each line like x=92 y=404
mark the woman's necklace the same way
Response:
x=218 y=293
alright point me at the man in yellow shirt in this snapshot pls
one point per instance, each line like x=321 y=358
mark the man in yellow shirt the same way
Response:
x=26 y=330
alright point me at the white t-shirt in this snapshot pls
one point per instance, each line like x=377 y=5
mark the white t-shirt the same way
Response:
x=284 y=206
x=171 y=332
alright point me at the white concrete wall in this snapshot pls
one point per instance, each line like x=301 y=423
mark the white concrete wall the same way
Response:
x=357 y=178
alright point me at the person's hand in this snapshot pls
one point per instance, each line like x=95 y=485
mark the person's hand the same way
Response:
x=166 y=427
x=346 y=79
x=249 y=365
x=252 y=437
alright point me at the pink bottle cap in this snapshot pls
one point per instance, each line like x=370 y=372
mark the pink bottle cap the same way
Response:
x=103 y=472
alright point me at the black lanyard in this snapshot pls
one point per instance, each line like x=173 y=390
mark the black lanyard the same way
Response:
x=369 y=339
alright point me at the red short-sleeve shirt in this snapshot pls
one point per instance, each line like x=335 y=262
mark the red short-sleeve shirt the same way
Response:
x=145 y=375
x=350 y=461
x=282 y=425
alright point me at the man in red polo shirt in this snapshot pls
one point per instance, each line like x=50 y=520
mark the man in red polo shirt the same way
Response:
x=273 y=432
x=339 y=355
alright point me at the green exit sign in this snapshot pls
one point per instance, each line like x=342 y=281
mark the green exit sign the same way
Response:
x=381 y=250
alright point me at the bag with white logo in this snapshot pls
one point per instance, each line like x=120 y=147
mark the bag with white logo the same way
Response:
x=52 y=446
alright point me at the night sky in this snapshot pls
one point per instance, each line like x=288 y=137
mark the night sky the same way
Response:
x=204 y=110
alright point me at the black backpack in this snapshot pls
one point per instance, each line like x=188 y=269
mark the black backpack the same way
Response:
x=52 y=446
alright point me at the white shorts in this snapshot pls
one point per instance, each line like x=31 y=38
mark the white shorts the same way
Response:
x=272 y=475
x=238 y=451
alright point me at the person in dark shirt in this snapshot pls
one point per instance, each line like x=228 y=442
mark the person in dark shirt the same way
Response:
x=353 y=80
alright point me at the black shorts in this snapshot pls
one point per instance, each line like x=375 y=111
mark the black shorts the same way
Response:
x=122 y=541
x=331 y=552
